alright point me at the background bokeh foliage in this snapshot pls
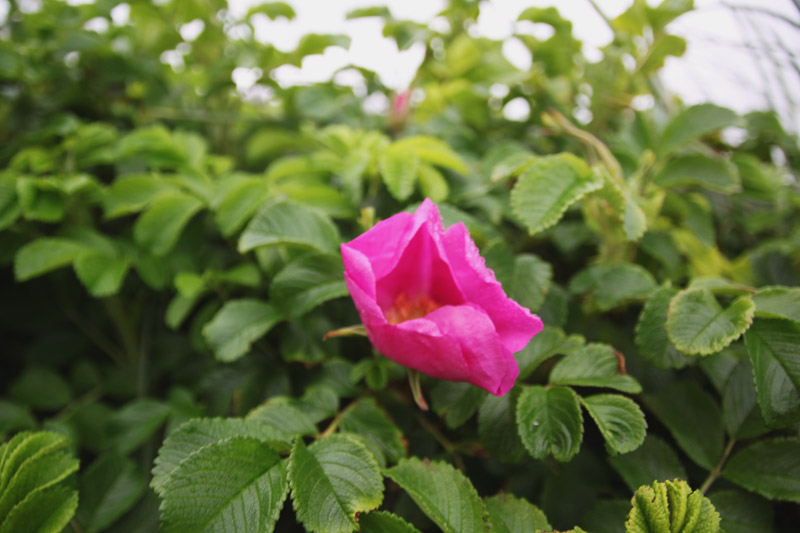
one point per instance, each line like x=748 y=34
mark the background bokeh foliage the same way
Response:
x=169 y=266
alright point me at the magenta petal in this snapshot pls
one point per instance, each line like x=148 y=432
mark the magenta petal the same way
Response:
x=515 y=324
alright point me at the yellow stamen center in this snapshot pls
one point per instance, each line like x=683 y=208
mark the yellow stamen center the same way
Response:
x=409 y=307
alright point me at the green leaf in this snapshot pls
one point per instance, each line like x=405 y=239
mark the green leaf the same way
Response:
x=611 y=285
x=384 y=522
x=443 y=493
x=333 y=480
x=9 y=204
x=132 y=194
x=307 y=282
x=671 y=506
x=619 y=420
x=41 y=199
x=634 y=219
x=432 y=183
x=651 y=333
x=531 y=281
x=549 y=342
x=548 y=186
x=369 y=421
x=549 y=422
x=158 y=228
x=132 y=425
x=668 y=45
x=273 y=10
x=740 y=410
x=43 y=511
x=43 y=255
x=594 y=365
x=653 y=461
x=109 y=488
x=456 y=402
x=511 y=165
x=199 y=432
x=41 y=388
x=697 y=324
x=432 y=151
x=774 y=349
x=694 y=419
x=285 y=420
x=237 y=325
x=238 y=484
x=287 y=223
x=240 y=203
x=22 y=447
x=102 y=274
x=508 y=514
x=692 y=123
x=742 y=512
x=768 y=467
x=497 y=427
x=696 y=169
x=778 y=302
x=14 y=417
x=41 y=469
x=399 y=166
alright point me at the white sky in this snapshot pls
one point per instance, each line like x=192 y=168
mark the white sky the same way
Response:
x=725 y=61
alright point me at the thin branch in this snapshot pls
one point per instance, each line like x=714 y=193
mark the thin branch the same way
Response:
x=715 y=473
x=764 y=11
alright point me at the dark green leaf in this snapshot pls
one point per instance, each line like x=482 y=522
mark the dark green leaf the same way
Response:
x=508 y=514
x=456 y=402
x=384 y=522
x=237 y=325
x=497 y=426
x=109 y=488
x=651 y=333
x=610 y=285
x=742 y=512
x=768 y=467
x=369 y=421
x=653 y=461
x=549 y=421
x=619 y=420
x=443 y=493
x=593 y=365
x=132 y=425
x=333 y=480
x=307 y=282
x=235 y=485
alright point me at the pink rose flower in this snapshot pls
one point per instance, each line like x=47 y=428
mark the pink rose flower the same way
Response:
x=428 y=301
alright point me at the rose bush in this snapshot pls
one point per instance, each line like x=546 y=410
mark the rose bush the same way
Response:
x=428 y=301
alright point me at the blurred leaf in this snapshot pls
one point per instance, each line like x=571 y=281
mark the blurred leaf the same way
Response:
x=307 y=282
x=132 y=425
x=237 y=325
x=100 y=273
x=497 y=427
x=651 y=334
x=692 y=123
x=41 y=388
x=109 y=488
x=43 y=255
x=531 y=281
x=456 y=402
x=694 y=419
x=399 y=166
x=703 y=171
x=131 y=194
x=289 y=224
x=610 y=285
x=778 y=302
x=159 y=227
x=742 y=512
x=653 y=461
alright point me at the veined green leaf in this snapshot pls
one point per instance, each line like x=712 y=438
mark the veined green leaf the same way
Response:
x=456 y=402
x=287 y=223
x=46 y=510
x=240 y=203
x=778 y=302
x=548 y=186
x=508 y=514
x=432 y=151
x=238 y=325
x=384 y=522
x=443 y=493
x=549 y=342
x=531 y=281
x=619 y=420
x=740 y=410
x=199 y=432
x=132 y=194
x=236 y=485
x=594 y=365
x=774 y=349
x=332 y=480
x=307 y=282
x=432 y=183
x=497 y=427
x=701 y=170
x=651 y=334
x=611 y=285
x=697 y=324
x=549 y=421
x=768 y=467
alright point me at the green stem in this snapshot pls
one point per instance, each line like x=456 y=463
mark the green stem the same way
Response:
x=416 y=389
x=715 y=473
x=337 y=419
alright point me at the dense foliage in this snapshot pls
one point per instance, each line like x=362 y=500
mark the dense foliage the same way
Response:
x=169 y=266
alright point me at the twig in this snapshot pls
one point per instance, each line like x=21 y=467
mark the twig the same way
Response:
x=714 y=474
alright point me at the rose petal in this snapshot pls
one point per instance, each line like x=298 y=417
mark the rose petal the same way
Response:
x=515 y=324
